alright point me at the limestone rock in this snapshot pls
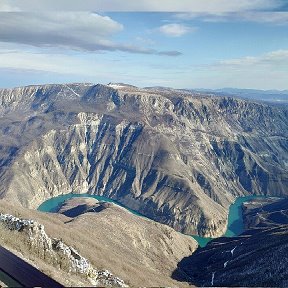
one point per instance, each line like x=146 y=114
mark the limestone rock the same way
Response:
x=140 y=251
x=55 y=247
x=177 y=157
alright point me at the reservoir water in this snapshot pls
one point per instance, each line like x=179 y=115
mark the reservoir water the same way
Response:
x=52 y=204
x=235 y=218
x=235 y=225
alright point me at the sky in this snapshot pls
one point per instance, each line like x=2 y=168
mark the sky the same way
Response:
x=180 y=44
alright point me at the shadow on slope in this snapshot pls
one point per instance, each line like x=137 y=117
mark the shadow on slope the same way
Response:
x=256 y=258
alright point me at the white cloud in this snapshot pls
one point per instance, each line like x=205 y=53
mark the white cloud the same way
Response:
x=73 y=30
x=56 y=63
x=280 y=18
x=82 y=30
x=35 y=67
x=267 y=71
x=175 y=30
x=198 y=6
x=5 y=6
x=265 y=17
x=275 y=60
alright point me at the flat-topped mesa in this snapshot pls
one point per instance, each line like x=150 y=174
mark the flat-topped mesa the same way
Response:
x=177 y=158
x=37 y=98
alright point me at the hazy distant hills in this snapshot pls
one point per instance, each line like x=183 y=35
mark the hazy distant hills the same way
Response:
x=253 y=94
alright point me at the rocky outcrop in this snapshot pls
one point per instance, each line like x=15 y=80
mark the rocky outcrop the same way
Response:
x=178 y=158
x=140 y=251
x=59 y=252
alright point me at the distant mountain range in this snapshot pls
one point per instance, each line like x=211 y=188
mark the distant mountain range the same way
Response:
x=262 y=95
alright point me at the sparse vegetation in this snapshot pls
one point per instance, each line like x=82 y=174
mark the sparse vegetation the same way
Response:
x=20 y=243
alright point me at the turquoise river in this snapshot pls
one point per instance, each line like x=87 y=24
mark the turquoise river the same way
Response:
x=235 y=220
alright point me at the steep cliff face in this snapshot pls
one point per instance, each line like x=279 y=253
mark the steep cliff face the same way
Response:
x=175 y=157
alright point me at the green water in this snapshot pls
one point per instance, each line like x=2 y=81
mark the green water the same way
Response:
x=235 y=225
x=235 y=217
x=235 y=220
x=53 y=204
x=202 y=241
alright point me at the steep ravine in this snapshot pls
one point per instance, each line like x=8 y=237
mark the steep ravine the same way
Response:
x=255 y=258
x=172 y=156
